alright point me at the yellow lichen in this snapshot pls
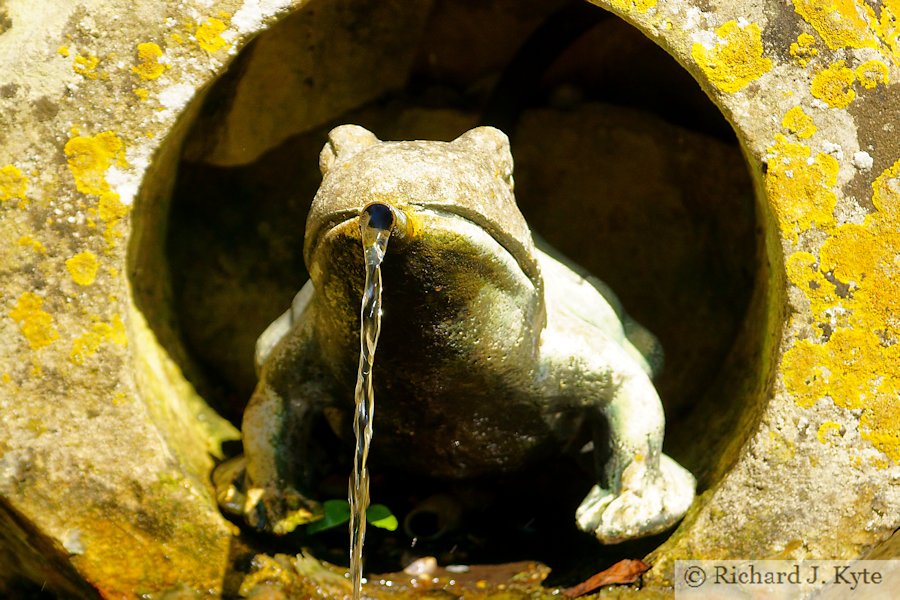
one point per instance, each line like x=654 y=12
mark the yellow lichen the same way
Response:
x=804 y=272
x=851 y=254
x=88 y=343
x=871 y=73
x=90 y=157
x=63 y=51
x=111 y=211
x=880 y=424
x=30 y=242
x=780 y=447
x=798 y=122
x=841 y=23
x=209 y=35
x=834 y=85
x=804 y=49
x=83 y=268
x=842 y=369
x=34 y=323
x=888 y=26
x=857 y=366
x=148 y=66
x=86 y=66
x=13 y=183
x=828 y=428
x=736 y=60
x=111 y=208
x=886 y=198
x=141 y=93
x=36 y=426
x=117 y=335
x=800 y=188
x=640 y=6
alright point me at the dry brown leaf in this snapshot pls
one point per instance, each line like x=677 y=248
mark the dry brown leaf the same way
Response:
x=624 y=571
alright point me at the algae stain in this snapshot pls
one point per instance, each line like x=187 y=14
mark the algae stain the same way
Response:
x=149 y=67
x=833 y=85
x=35 y=323
x=736 y=60
x=858 y=365
x=83 y=268
x=13 y=183
x=209 y=35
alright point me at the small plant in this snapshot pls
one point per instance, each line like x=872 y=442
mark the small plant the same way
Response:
x=337 y=512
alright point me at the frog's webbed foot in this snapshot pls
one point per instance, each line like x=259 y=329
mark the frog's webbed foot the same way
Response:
x=276 y=511
x=649 y=501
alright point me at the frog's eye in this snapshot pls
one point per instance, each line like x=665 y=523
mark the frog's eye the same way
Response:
x=493 y=145
x=344 y=142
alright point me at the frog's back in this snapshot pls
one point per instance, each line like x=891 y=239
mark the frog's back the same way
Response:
x=581 y=305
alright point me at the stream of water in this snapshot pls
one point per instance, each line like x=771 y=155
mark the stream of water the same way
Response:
x=375 y=228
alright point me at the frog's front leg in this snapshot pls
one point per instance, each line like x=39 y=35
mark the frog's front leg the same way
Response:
x=260 y=485
x=641 y=490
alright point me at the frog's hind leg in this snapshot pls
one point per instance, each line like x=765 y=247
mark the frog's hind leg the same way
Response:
x=641 y=491
x=259 y=485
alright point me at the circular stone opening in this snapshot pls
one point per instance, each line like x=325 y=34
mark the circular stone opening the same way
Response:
x=621 y=162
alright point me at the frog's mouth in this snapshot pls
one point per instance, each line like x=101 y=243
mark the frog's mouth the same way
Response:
x=403 y=228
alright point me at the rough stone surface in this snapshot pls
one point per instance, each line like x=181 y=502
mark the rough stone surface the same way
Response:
x=104 y=449
x=335 y=55
x=807 y=87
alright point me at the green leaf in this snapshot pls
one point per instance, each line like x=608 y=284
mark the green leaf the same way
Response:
x=337 y=512
x=381 y=516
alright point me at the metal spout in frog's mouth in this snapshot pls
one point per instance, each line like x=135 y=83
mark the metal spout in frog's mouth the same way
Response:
x=386 y=217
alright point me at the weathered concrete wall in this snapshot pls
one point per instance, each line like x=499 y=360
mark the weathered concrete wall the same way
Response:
x=809 y=88
x=104 y=446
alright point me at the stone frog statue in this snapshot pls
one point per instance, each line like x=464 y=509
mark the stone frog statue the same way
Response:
x=493 y=352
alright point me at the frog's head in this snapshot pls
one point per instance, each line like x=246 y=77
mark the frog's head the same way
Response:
x=458 y=237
